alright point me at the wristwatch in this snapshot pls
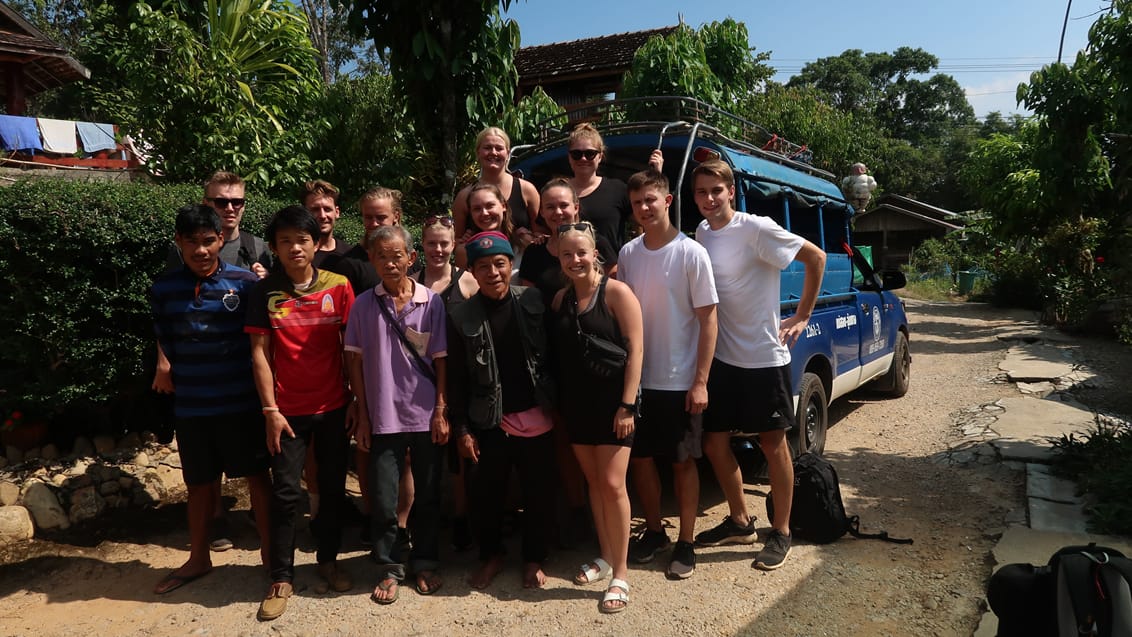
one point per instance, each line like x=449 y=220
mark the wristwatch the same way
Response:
x=631 y=408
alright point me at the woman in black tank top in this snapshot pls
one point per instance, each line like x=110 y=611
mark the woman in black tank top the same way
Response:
x=599 y=413
x=493 y=152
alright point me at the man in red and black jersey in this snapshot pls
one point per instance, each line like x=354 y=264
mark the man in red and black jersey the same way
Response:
x=296 y=317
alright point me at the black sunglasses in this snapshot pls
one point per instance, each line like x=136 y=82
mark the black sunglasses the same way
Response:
x=588 y=153
x=443 y=220
x=581 y=226
x=221 y=203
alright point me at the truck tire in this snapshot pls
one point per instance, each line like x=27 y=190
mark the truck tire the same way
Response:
x=895 y=383
x=812 y=418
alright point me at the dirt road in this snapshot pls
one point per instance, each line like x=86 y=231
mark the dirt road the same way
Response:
x=98 y=580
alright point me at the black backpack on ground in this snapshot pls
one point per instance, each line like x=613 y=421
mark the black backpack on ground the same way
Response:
x=817 y=513
x=1082 y=590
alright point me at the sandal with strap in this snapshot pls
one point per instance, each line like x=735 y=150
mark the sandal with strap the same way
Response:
x=615 y=596
x=594 y=571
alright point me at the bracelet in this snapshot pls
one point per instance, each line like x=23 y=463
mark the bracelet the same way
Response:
x=630 y=407
x=268 y=410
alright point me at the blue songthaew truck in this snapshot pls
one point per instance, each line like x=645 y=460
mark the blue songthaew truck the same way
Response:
x=858 y=334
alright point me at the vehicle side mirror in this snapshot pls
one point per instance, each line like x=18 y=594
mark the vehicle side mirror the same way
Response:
x=892 y=280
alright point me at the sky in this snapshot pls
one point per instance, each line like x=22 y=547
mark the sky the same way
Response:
x=988 y=46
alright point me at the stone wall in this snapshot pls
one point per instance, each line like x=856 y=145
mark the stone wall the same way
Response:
x=41 y=490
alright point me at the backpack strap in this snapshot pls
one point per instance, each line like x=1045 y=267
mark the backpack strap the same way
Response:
x=247 y=253
x=1077 y=594
x=854 y=528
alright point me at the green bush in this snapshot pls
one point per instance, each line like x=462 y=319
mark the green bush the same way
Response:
x=76 y=263
x=1101 y=464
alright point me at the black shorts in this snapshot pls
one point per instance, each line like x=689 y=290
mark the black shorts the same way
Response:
x=748 y=400
x=232 y=444
x=664 y=429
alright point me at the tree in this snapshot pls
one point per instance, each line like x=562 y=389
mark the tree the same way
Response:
x=714 y=64
x=239 y=94
x=454 y=64
x=331 y=36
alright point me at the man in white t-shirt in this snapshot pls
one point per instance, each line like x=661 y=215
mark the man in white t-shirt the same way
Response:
x=750 y=376
x=671 y=276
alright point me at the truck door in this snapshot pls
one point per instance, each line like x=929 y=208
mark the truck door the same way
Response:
x=876 y=333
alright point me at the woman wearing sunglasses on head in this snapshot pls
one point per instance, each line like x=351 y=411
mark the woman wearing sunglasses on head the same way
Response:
x=604 y=200
x=559 y=208
x=493 y=151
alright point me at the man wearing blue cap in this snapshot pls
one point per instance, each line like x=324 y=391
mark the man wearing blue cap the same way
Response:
x=499 y=401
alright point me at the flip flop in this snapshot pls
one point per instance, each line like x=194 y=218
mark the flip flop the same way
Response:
x=173 y=581
x=431 y=580
x=385 y=601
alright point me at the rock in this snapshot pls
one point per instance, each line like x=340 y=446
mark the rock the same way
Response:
x=172 y=480
x=131 y=440
x=14 y=456
x=86 y=504
x=59 y=479
x=44 y=506
x=103 y=444
x=148 y=437
x=3 y=462
x=107 y=473
x=110 y=487
x=49 y=452
x=172 y=460
x=9 y=493
x=34 y=453
x=141 y=459
x=78 y=482
x=125 y=483
x=151 y=489
x=82 y=447
x=80 y=467
x=15 y=524
x=116 y=501
x=172 y=444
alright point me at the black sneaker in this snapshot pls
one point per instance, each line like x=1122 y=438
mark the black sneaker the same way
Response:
x=683 y=562
x=644 y=547
x=774 y=552
x=728 y=532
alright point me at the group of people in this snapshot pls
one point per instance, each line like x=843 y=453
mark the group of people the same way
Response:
x=534 y=339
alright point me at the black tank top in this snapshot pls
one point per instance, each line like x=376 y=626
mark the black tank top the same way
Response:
x=451 y=295
x=517 y=206
x=595 y=319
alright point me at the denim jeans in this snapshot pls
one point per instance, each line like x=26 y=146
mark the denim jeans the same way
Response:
x=386 y=460
x=327 y=431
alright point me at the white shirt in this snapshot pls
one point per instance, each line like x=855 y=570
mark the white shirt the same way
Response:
x=671 y=283
x=748 y=256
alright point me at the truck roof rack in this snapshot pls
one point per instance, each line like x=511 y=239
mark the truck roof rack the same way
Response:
x=646 y=114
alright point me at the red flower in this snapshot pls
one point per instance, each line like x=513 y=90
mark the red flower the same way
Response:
x=17 y=415
x=1100 y=259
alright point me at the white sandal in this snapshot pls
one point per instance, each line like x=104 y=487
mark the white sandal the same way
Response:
x=618 y=596
x=594 y=571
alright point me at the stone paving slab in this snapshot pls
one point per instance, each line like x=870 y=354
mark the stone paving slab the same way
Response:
x=1040 y=483
x=1056 y=516
x=1027 y=425
x=1035 y=363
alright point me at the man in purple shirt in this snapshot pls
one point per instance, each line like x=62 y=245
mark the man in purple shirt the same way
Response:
x=396 y=345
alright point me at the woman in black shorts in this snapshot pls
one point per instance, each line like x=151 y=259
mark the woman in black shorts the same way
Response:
x=598 y=411
x=453 y=285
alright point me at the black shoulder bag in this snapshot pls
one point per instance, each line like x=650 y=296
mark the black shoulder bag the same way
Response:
x=603 y=358
x=425 y=369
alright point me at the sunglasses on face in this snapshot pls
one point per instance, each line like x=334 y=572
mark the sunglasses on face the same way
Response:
x=221 y=203
x=581 y=226
x=588 y=153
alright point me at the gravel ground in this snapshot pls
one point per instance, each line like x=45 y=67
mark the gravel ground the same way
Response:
x=97 y=579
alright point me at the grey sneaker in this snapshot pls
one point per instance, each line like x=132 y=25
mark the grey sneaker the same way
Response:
x=774 y=552
x=683 y=562
x=644 y=547
x=728 y=532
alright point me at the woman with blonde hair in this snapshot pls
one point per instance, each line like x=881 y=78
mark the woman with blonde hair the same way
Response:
x=520 y=197
x=604 y=200
x=599 y=401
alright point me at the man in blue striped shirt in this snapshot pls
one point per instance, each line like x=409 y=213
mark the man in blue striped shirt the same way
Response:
x=199 y=313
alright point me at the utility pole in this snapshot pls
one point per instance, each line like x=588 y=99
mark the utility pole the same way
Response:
x=1064 y=24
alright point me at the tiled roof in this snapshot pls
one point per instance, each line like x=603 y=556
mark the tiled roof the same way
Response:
x=582 y=56
x=45 y=63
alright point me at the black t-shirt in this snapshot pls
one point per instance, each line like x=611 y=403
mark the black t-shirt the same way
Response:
x=608 y=208
x=344 y=260
x=544 y=270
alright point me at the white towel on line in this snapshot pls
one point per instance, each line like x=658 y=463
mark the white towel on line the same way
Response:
x=58 y=135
